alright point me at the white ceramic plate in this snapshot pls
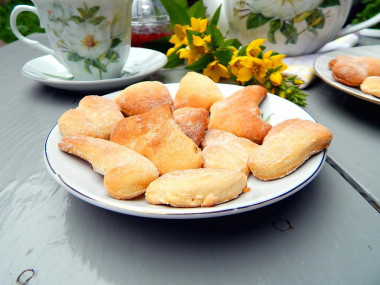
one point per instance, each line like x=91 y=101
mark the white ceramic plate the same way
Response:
x=373 y=33
x=322 y=70
x=77 y=176
x=140 y=64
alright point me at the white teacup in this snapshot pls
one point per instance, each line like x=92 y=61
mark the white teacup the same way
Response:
x=91 y=38
x=291 y=27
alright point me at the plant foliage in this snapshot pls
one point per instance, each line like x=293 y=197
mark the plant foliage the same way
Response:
x=27 y=22
x=201 y=47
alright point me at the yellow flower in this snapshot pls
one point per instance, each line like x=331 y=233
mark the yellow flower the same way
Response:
x=253 y=49
x=236 y=64
x=207 y=39
x=183 y=53
x=215 y=71
x=198 y=41
x=267 y=54
x=170 y=51
x=193 y=53
x=199 y=25
x=273 y=61
x=179 y=36
x=275 y=78
x=298 y=81
x=245 y=68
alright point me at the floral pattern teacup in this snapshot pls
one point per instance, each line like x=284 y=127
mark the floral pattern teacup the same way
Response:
x=90 y=38
x=292 y=27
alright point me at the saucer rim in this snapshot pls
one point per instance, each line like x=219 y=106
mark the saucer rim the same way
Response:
x=105 y=84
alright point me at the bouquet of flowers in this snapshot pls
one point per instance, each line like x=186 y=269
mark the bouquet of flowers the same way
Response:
x=199 y=43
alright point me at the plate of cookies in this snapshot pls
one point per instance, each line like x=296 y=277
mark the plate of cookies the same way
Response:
x=355 y=71
x=194 y=149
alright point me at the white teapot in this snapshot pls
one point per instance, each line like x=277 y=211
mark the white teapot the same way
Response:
x=291 y=27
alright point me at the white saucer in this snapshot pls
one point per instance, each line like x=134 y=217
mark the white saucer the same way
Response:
x=140 y=64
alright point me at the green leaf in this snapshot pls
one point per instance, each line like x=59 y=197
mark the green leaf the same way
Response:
x=256 y=20
x=96 y=20
x=329 y=3
x=112 y=55
x=176 y=12
x=76 y=19
x=82 y=12
x=316 y=20
x=290 y=33
x=215 y=18
x=242 y=51
x=232 y=42
x=97 y=64
x=217 y=38
x=277 y=68
x=87 y=63
x=201 y=63
x=197 y=10
x=273 y=27
x=72 y=56
x=115 y=42
x=190 y=35
x=182 y=3
x=271 y=37
x=224 y=56
x=313 y=31
x=92 y=11
x=174 y=60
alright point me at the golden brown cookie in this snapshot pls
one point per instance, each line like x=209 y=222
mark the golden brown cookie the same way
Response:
x=287 y=146
x=197 y=91
x=156 y=135
x=142 y=97
x=352 y=71
x=193 y=122
x=126 y=173
x=248 y=94
x=239 y=114
x=95 y=116
x=371 y=85
x=203 y=187
x=221 y=149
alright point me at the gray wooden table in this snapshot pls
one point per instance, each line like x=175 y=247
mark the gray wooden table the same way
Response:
x=327 y=233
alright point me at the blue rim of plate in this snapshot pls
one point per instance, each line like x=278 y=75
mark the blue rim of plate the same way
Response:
x=217 y=213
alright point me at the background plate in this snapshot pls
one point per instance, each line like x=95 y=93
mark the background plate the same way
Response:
x=322 y=70
x=77 y=176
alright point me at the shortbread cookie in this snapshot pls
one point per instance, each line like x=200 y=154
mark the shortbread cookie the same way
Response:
x=352 y=71
x=371 y=85
x=156 y=135
x=248 y=94
x=221 y=149
x=126 y=173
x=95 y=116
x=239 y=114
x=142 y=97
x=197 y=91
x=193 y=122
x=203 y=187
x=287 y=146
